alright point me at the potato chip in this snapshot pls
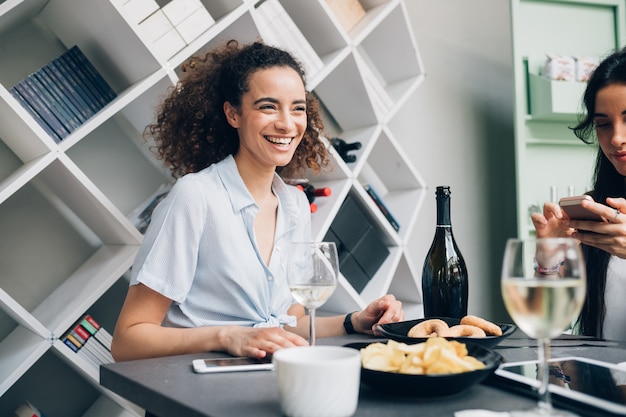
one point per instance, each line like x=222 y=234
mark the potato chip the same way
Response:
x=434 y=356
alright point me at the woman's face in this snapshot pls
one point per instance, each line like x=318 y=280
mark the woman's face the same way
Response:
x=272 y=118
x=610 y=123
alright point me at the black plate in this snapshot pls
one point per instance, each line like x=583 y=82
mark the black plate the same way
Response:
x=398 y=332
x=430 y=385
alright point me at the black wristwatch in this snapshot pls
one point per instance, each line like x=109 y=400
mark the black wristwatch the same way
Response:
x=347 y=323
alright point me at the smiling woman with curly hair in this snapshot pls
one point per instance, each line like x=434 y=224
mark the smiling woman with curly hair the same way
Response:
x=210 y=274
x=192 y=132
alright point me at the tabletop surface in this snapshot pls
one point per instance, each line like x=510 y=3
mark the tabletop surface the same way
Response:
x=169 y=387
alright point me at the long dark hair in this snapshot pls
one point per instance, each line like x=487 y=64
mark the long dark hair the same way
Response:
x=607 y=182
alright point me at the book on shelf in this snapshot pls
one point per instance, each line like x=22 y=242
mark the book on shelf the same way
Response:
x=35 y=114
x=90 y=340
x=382 y=207
x=64 y=93
x=141 y=216
x=53 y=103
x=105 y=90
x=31 y=97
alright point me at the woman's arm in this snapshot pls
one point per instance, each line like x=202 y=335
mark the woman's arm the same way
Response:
x=139 y=333
x=385 y=309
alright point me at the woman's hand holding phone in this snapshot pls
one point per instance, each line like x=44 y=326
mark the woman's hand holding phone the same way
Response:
x=574 y=209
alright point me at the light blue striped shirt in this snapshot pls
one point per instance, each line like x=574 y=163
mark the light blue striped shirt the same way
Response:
x=200 y=251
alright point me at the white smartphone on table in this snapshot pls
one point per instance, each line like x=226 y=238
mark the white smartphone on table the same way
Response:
x=203 y=366
x=574 y=381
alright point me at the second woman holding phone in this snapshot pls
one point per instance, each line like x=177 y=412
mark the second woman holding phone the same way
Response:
x=603 y=242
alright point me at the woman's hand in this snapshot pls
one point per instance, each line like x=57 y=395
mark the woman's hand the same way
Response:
x=258 y=342
x=552 y=222
x=610 y=235
x=386 y=309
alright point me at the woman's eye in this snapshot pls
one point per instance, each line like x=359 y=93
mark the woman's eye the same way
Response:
x=601 y=124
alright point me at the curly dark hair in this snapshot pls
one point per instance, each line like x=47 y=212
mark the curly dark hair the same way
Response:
x=191 y=131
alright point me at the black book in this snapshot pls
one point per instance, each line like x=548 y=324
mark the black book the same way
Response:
x=97 y=79
x=73 y=115
x=24 y=103
x=41 y=108
x=383 y=208
x=63 y=84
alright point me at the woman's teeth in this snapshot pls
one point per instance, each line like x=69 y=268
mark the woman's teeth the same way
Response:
x=279 y=141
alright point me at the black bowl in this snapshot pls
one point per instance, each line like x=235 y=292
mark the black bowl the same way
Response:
x=430 y=385
x=398 y=332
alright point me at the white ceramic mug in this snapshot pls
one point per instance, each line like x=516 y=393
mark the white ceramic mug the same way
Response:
x=318 y=381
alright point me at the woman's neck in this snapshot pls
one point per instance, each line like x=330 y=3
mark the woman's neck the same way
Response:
x=258 y=179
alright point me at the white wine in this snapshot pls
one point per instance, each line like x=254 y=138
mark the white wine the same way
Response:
x=312 y=296
x=543 y=308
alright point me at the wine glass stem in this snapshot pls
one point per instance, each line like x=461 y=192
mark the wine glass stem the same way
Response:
x=545 y=403
x=311 y=326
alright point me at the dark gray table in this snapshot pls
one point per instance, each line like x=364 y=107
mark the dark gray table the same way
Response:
x=169 y=387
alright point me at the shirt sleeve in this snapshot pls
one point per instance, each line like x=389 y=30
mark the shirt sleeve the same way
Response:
x=167 y=259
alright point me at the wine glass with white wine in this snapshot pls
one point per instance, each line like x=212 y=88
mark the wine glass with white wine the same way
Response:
x=543 y=287
x=312 y=273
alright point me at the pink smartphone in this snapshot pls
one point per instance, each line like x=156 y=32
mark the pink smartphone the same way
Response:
x=571 y=205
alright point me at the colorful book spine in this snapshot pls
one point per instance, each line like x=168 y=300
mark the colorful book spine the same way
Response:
x=383 y=208
x=91 y=340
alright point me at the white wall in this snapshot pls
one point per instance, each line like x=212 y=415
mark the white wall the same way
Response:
x=457 y=129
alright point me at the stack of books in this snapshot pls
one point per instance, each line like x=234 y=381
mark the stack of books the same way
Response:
x=278 y=29
x=64 y=94
x=90 y=340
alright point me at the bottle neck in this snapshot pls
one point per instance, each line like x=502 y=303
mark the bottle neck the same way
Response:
x=443 y=211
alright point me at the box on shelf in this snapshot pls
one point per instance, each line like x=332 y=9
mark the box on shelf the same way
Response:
x=168 y=44
x=178 y=10
x=347 y=12
x=155 y=26
x=195 y=24
x=138 y=10
x=555 y=100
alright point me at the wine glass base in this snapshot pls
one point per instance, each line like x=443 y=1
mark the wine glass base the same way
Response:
x=542 y=412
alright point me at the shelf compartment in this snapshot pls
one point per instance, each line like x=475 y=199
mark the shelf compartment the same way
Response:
x=407 y=287
x=19 y=350
x=115 y=153
x=340 y=93
x=313 y=20
x=397 y=184
x=555 y=100
x=396 y=71
x=40 y=386
x=84 y=246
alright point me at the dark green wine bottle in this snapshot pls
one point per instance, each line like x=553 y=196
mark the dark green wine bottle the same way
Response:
x=444 y=277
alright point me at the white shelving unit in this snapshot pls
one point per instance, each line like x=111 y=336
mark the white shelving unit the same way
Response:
x=65 y=238
x=548 y=154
